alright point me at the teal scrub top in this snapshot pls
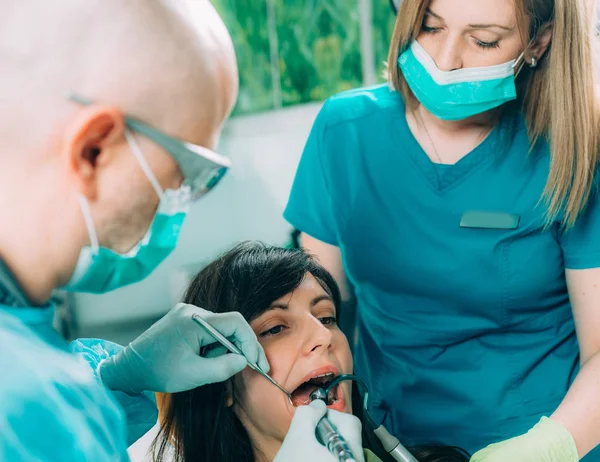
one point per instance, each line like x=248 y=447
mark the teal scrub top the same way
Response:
x=465 y=334
x=53 y=408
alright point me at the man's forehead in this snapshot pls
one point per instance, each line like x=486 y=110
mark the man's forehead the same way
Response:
x=145 y=57
x=199 y=86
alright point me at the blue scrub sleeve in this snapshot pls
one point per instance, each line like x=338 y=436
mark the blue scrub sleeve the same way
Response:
x=581 y=244
x=310 y=207
x=140 y=409
x=66 y=427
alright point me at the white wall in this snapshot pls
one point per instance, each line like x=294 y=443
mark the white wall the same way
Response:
x=248 y=204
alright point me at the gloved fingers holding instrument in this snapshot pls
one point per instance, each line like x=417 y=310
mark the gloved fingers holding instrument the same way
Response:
x=166 y=358
x=301 y=444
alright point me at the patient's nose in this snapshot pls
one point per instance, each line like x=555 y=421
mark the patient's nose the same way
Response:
x=317 y=337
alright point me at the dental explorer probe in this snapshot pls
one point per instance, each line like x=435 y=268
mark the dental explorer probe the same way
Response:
x=330 y=437
x=235 y=350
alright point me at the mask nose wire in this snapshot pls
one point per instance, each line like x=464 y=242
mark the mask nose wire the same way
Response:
x=137 y=152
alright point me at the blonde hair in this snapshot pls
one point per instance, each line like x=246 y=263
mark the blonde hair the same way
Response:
x=559 y=99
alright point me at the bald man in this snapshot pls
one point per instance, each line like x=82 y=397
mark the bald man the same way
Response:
x=109 y=111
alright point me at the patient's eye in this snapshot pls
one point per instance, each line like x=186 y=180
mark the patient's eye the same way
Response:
x=328 y=320
x=272 y=331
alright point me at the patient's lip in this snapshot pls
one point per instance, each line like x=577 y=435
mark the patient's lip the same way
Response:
x=328 y=369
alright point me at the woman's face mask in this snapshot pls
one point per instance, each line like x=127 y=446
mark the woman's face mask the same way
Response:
x=465 y=58
x=458 y=94
x=301 y=340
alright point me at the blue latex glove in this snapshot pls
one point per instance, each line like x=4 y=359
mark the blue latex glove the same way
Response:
x=301 y=444
x=166 y=358
x=548 y=441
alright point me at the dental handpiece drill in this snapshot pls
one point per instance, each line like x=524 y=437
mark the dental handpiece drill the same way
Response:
x=390 y=443
x=330 y=437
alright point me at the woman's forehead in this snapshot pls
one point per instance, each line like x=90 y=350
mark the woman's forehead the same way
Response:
x=307 y=291
x=467 y=12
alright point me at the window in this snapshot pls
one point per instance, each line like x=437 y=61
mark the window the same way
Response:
x=299 y=52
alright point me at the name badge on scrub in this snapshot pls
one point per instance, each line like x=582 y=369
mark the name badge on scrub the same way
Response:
x=489 y=220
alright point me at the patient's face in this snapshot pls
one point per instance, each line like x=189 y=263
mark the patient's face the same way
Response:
x=301 y=339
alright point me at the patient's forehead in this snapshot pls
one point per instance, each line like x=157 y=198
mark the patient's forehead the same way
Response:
x=307 y=294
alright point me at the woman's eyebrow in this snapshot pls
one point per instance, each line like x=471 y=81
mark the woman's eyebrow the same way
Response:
x=472 y=26
x=320 y=298
x=285 y=306
x=431 y=13
x=489 y=26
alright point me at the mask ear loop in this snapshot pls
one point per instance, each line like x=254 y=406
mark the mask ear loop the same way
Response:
x=137 y=152
x=519 y=64
x=89 y=223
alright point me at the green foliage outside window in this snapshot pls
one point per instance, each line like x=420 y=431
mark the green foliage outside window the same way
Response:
x=383 y=26
x=298 y=51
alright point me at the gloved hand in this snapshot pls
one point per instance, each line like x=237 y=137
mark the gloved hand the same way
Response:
x=548 y=441
x=301 y=444
x=166 y=357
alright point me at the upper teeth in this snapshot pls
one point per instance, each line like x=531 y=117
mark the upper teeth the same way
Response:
x=327 y=374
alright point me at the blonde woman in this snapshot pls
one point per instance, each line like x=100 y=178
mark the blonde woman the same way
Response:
x=461 y=204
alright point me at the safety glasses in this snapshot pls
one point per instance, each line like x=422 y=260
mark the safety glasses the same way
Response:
x=201 y=168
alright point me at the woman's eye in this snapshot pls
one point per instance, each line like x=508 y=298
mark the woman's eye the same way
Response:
x=272 y=331
x=429 y=30
x=487 y=44
x=328 y=321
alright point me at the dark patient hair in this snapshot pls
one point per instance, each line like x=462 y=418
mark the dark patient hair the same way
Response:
x=247 y=279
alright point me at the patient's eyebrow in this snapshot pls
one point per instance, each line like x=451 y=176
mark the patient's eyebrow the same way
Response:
x=315 y=301
x=320 y=298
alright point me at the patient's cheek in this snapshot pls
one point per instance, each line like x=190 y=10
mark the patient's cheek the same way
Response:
x=280 y=365
x=261 y=407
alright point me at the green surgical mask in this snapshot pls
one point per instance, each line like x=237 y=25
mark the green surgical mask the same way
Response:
x=458 y=94
x=101 y=270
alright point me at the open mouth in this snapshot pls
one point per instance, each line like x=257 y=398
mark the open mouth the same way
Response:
x=301 y=395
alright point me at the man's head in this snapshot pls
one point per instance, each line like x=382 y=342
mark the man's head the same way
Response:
x=169 y=63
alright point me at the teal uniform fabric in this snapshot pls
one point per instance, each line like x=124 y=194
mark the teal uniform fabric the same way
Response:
x=465 y=334
x=53 y=407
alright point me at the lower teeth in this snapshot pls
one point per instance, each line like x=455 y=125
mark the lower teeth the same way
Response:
x=332 y=396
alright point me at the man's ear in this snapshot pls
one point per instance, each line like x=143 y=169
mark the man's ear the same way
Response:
x=540 y=44
x=88 y=139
